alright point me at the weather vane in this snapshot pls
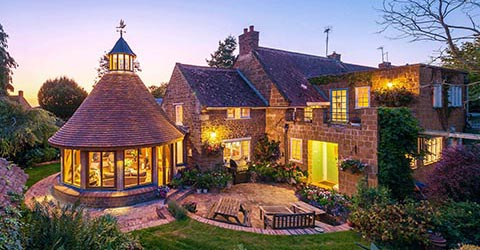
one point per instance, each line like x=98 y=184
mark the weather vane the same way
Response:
x=121 y=26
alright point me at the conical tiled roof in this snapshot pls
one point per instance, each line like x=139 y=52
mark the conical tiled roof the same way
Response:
x=121 y=46
x=118 y=113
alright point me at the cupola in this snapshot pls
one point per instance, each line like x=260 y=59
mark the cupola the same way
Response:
x=121 y=57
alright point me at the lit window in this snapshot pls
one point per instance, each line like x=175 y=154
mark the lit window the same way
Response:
x=433 y=149
x=296 y=149
x=338 y=102
x=245 y=113
x=179 y=152
x=362 y=97
x=101 y=169
x=308 y=114
x=138 y=167
x=231 y=113
x=67 y=166
x=121 y=59
x=237 y=150
x=179 y=115
x=114 y=62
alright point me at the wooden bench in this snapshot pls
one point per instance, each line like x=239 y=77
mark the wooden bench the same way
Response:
x=303 y=207
x=289 y=221
x=228 y=208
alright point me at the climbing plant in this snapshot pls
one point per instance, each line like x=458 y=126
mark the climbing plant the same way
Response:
x=398 y=137
x=350 y=78
x=396 y=97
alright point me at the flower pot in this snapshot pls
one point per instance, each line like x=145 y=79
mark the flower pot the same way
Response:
x=205 y=190
x=199 y=190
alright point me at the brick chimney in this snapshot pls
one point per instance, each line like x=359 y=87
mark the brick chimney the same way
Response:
x=248 y=40
x=385 y=65
x=335 y=56
x=20 y=93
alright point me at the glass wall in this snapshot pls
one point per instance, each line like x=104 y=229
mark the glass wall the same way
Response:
x=138 y=167
x=71 y=167
x=101 y=169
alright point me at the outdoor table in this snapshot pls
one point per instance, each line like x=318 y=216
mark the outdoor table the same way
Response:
x=276 y=209
x=229 y=208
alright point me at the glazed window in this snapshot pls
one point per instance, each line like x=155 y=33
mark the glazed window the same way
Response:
x=238 y=113
x=179 y=147
x=71 y=167
x=114 y=62
x=101 y=169
x=231 y=113
x=179 y=114
x=455 y=96
x=308 y=114
x=245 y=113
x=137 y=167
x=433 y=149
x=362 y=97
x=295 y=149
x=237 y=150
x=339 y=105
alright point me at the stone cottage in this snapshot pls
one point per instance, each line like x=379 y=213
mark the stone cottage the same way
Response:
x=274 y=92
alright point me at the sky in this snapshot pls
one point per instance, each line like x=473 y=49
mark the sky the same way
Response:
x=49 y=39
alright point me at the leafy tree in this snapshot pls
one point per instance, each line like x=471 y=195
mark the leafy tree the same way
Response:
x=223 y=57
x=104 y=67
x=398 y=131
x=158 y=91
x=61 y=96
x=23 y=129
x=446 y=21
x=470 y=51
x=7 y=63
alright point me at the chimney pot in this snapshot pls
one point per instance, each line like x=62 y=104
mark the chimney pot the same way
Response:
x=245 y=31
x=248 y=41
x=20 y=93
x=385 y=65
x=251 y=28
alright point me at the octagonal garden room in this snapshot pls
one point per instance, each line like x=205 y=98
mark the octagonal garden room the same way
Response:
x=118 y=147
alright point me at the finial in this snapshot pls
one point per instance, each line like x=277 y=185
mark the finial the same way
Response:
x=121 y=26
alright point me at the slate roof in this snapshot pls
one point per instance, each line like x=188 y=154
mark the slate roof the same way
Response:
x=290 y=72
x=215 y=87
x=118 y=113
x=121 y=46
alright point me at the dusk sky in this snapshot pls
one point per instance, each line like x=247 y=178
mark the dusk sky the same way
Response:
x=55 y=38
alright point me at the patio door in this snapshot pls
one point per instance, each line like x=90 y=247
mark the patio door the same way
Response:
x=164 y=164
x=323 y=167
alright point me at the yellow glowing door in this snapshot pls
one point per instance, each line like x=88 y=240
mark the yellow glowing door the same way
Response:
x=323 y=167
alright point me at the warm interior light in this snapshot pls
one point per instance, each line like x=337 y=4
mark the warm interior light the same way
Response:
x=213 y=135
x=389 y=85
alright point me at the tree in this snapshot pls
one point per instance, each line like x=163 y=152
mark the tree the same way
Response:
x=104 y=67
x=446 y=21
x=23 y=129
x=223 y=57
x=471 y=52
x=158 y=91
x=7 y=63
x=61 y=96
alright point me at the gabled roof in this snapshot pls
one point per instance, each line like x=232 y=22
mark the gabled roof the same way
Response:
x=20 y=100
x=215 y=87
x=290 y=72
x=121 y=46
x=120 y=112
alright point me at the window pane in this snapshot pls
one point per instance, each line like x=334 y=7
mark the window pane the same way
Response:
x=179 y=115
x=231 y=113
x=131 y=168
x=295 y=149
x=308 y=114
x=114 y=62
x=179 y=152
x=108 y=169
x=339 y=105
x=67 y=166
x=77 y=167
x=245 y=150
x=121 y=62
x=145 y=175
x=362 y=96
x=94 y=178
x=127 y=62
x=160 y=165
x=245 y=112
x=433 y=148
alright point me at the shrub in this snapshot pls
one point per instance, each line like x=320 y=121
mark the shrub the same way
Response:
x=457 y=175
x=67 y=227
x=333 y=203
x=266 y=151
x=177 y=210
x=459 y=222
x=397 y=226
x=36 y=155
x=398 y=138
x=366 y=197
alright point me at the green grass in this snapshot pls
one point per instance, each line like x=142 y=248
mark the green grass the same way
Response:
x=39 y=172
x=190 y=234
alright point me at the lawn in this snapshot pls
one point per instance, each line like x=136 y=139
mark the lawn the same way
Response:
x=39 y=172
x=190 y=234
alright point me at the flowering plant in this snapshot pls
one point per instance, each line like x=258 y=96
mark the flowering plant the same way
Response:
x=330 y=201
x=162 y=191
x=354 y=166
x=212 y=149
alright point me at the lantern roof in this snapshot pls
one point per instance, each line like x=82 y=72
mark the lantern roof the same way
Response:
x=121 y=47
